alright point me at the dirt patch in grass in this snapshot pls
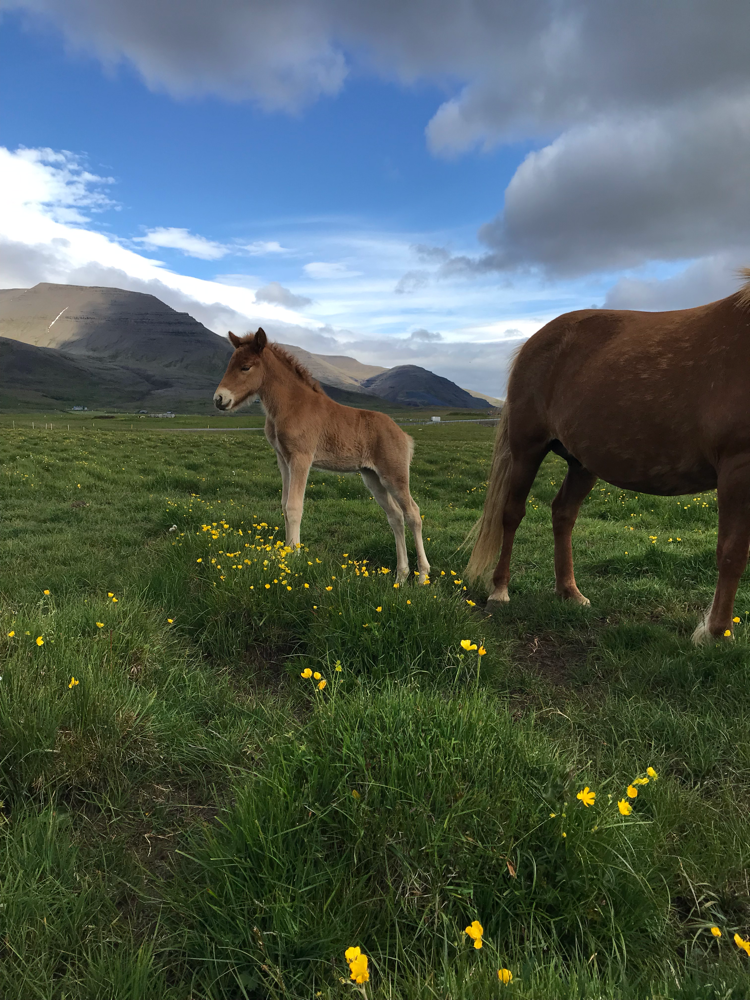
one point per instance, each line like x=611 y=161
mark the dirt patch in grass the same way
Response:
x=551 y=657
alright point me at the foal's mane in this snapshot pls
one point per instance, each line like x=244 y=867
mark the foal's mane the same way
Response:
x=743 y=296
x=297 y=367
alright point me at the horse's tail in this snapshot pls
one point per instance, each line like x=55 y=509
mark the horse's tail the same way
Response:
x=487 y=533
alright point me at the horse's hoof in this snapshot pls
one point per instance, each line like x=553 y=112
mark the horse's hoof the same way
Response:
x=575 y=596
x=703 y=635
x=499 y=596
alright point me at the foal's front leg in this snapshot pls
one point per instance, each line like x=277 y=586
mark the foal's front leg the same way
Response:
x=284 y=470
x=299 y=469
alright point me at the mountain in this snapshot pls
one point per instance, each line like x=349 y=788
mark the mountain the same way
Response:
x=410 y=385
x=66 y=345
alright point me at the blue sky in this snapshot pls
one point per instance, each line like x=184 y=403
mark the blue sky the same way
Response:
x=416 y=183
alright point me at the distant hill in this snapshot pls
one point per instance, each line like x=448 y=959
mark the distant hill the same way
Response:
x=410 y=385
x=68 y=345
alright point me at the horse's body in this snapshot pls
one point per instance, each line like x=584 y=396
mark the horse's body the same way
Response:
x=653 y=402
x=308 y=429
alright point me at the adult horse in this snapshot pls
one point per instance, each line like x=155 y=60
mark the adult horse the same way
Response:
x=308 y=429
x=653 y=402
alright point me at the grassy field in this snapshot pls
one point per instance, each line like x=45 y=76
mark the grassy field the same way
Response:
x=187 y=814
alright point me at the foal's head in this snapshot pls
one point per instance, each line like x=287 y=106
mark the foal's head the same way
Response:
x=244 y=373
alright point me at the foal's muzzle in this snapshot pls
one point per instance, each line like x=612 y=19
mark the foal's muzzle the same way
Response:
x=222 y=400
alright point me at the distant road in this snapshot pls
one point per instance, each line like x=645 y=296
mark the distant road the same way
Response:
x=236 y=430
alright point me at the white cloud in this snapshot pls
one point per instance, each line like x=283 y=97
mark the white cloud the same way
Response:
x=180 y=239
x=354 y=310
x=321 y=270
x=260 y=248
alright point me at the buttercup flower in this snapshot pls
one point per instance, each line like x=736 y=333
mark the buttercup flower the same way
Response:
x=46 y=594
x=355 y=794
x=306 y=672
x=322 y=684
x=632 y=791
x=625 y=807
x=587 y=796
x=11 y=634
x=467 y=644
x=351 y=953
x=742 y=943
x=317 y=675
x=73 y=682
x=652 y=773
x=716 y=932
x=505 y=976
x=475 y=932
x=100 y=624
x=481 y=651
x=358 y=969
x=39 y=641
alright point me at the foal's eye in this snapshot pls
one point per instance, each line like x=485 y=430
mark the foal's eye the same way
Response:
x=246 y=368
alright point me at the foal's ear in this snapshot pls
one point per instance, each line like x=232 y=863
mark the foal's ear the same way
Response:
x=234 y=340
x=260 y=339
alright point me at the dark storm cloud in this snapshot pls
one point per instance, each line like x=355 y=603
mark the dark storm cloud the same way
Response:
x=641 y=109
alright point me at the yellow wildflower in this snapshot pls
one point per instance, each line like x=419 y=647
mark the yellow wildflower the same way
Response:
x=355 y=794
x=73 y=682
x=100 y=624
x=337 y=667
x=625 y=807
x=39 y=641
x=587 y=796
x=171 y=621
x=114 y=600
x=378 y=609
x=475 y=932
x=11 y=634
x=322 y=684
x=735 y=620
x=306 y=672
x=358 y=970
x=742 y=943
x=110 y=594
x=652 y=773
x=329 y=588
x=716 y=932
x=481 y=651
x=631 y=791
x=317 y=675
x=351 y=953
x=468 y=644
x=728 y=632
x=46 y=594
x=505 y=976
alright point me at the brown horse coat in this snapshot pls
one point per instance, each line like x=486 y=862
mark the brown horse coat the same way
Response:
x=307 y=428
x=653 y=402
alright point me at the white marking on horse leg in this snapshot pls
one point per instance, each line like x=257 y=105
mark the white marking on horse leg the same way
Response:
x=499 y=595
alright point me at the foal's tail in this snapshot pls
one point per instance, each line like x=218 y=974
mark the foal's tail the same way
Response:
x=487 y=533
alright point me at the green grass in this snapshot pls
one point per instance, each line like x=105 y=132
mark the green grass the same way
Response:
x=193 y=818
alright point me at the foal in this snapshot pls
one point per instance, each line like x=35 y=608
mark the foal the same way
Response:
x=307 y=428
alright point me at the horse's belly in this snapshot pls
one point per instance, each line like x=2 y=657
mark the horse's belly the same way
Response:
x=671 y=472
x=337 y=463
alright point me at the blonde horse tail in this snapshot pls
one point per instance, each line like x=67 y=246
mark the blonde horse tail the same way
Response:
x=487 y=533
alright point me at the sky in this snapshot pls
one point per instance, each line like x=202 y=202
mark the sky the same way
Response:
x=407 y=182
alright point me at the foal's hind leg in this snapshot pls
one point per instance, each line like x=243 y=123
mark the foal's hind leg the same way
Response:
x=395 y=518
x=522 y=476
x=576 y=486
x=398 y=487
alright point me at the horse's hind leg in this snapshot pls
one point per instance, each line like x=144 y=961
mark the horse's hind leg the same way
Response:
x=522 y=476
x=576 y=486
x=395 y=518
x=731 y=549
